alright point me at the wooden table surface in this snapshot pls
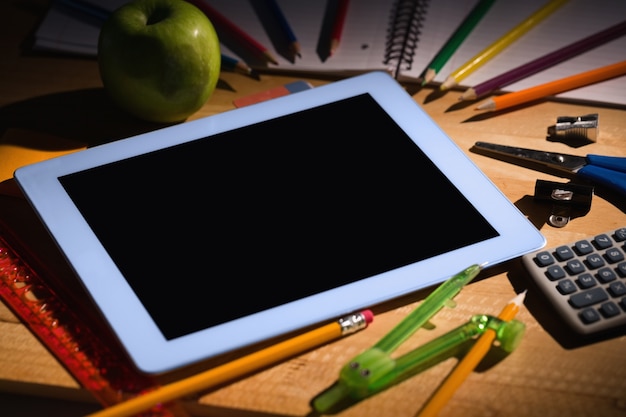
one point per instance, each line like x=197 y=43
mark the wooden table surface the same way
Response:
x=550 y=374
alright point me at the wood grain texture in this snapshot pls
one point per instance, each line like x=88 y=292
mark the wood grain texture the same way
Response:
x=546 y=376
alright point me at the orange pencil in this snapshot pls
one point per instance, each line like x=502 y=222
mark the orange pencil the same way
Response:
x=340 y=18
x=239 y=367
x=554 y=87
x=469 y=361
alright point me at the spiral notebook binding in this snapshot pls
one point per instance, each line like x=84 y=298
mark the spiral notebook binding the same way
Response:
x=95 y=365
x=405 y=28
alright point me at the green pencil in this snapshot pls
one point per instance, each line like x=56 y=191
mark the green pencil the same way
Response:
x=456 y=40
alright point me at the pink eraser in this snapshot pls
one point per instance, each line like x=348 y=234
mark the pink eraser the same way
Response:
x=275 y=92
x=368 y=315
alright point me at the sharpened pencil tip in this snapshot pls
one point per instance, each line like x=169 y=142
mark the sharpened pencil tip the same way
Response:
x=429 y=76
x=519 y=298
x=269 y=57
x=469 y=94
x=448 y=84
x=255 y=74
x=334 y=44
x=294 y=50
x=487 y=105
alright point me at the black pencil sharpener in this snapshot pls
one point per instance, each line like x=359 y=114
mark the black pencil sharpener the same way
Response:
x=568 y=200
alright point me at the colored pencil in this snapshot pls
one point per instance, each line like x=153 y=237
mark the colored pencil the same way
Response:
x=469 y=361
x=545 y=61
x=499 y=45
x=236 y=65
x=457 y=38
x=338 y=23
x=239 y=367
x=222 y=23
x=294 y=45
x=554 y=87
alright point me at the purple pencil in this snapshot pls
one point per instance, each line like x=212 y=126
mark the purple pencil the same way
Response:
x=544 y=62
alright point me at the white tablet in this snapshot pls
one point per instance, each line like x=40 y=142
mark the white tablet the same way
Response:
x=219 y=233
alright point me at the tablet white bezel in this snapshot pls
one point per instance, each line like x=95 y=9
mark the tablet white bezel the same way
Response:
x=139 y=335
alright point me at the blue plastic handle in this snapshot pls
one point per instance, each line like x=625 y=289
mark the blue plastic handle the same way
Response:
x=604 y=176
x=615 y=163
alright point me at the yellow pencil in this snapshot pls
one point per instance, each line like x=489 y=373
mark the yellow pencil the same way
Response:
x=469 y=361
x=239 y=367
x=495 y=48
x=554 y=87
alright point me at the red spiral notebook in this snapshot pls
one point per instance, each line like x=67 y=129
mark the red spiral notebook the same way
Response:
x=39 y=287
x=39 y=290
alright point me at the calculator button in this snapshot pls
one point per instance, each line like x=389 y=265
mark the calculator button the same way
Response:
x=566 y=286
x=575 y=267
x=617 y=288
x=589 y=297
x=586 y=281
x=606 y=275
x=555 y=272
x=544 y=259
x=614 y=255
x=583 y=247
x=563 y=253
x=589 y=315
x=603 y=241
x=609 y=309
x=594 y=261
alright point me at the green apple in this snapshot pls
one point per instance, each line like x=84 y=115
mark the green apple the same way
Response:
x=159 y=59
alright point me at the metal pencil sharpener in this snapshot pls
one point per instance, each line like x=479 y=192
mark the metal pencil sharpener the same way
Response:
x=575 y=130
x=568 y=200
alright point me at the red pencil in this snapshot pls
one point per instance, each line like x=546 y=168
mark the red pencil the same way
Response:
x=220 y=21
x=340 y=18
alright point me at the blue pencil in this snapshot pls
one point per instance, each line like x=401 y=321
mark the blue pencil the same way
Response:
x=233 y=64
x=294 y=46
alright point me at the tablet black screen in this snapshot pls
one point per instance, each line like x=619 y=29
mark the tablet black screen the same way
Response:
x=225 y=226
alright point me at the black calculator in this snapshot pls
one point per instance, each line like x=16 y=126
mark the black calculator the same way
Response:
x=585 y=281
